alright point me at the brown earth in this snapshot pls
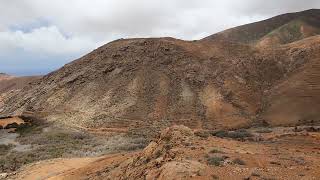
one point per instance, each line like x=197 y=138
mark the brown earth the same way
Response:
x=178 y=153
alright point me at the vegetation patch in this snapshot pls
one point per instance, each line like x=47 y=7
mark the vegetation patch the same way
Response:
x=216 y=160
x=265 y=130
x=238 y=134
x=202 y=134
x=49 y=142
x=31 y=126
x=4 y=149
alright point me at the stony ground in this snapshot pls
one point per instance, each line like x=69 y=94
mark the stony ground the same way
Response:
x=181 y=153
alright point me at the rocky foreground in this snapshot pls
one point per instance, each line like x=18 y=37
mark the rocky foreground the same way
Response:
x=181 y=153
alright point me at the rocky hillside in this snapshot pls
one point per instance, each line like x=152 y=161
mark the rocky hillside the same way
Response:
x=224 y=81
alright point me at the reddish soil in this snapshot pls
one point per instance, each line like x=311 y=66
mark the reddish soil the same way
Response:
x=6 y=121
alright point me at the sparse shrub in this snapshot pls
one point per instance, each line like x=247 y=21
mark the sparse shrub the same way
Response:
x=57 y=142
x=239 y=161
x=216 y=161
x=158 y=154
x=4 y=149
x=133 y=145
x=202 y=134
x=297 y=129
x=300 y=161
x=238 y=134
x=167 y=146
x=215 y=177
x=275 y=163
x=29 y=128
x=12 y=125
x=129 y=147
x=312 y=129
x=221 y=133
x=79 y=136
x=255 y=174
x=213 y=151
x=147 y=160
x=264 y=131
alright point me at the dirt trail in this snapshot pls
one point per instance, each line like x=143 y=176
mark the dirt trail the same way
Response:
x=51 y=168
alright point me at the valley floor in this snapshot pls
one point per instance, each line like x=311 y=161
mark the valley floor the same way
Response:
x=182 y=153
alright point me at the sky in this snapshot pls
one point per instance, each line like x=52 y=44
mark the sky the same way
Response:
x=39 y=36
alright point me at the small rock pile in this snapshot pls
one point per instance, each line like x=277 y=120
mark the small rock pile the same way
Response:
x=162 y=159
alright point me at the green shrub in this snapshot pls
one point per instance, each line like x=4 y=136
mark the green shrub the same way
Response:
x=238 y=134
x=4 y=149
x=202 y=134
x=221 y=133
x=264 y=131
x=216 y=161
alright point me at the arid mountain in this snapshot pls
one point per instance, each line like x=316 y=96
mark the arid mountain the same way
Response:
x=265 y=73
x=10 y=84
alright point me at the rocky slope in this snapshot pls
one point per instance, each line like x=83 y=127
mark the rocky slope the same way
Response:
x=228 y=80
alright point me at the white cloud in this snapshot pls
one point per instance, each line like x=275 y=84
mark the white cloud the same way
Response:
x=44 y=40
x=78 y=26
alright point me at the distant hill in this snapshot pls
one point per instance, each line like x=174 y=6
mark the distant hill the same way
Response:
x=281 y=29
x=8 y=83
x=4 y=76
x=223 y=81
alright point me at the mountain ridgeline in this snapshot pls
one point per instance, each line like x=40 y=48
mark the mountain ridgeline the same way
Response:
x=264 y=73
